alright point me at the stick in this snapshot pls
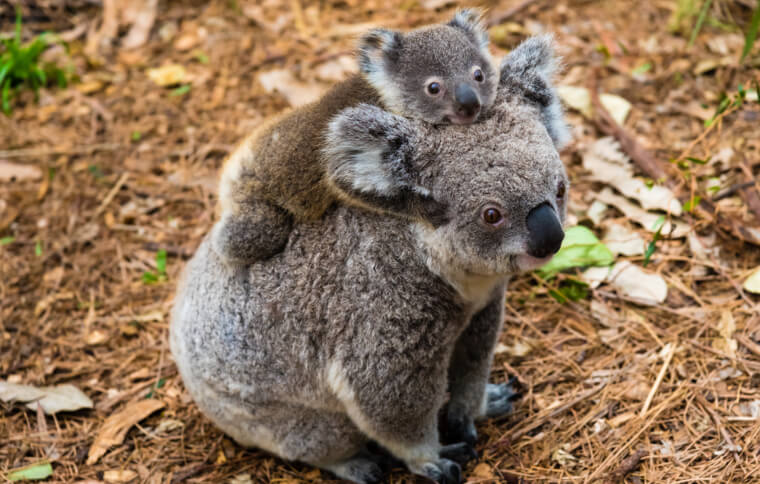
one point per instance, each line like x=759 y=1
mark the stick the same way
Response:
x=721 y=429
x=36 y=152
x=657 y=381
x=627 y=466
x=501 y=17
x=119 y=183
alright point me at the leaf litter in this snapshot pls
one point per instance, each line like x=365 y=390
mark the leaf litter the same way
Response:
x=83 y=140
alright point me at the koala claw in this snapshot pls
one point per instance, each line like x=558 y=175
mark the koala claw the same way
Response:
x=443 y=472
x=460 y=428
x=461 y=453
x=499 y=398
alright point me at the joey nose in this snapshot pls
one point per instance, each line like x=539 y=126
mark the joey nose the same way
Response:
x=545 y=231
x=468 y=103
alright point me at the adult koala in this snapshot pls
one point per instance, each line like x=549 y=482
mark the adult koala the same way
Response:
x=353 y=334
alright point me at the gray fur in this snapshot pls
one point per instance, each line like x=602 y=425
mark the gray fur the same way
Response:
x=353 y=333
x=399 y=66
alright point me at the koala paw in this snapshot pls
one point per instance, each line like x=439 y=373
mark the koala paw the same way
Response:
x=460 y=428
x=461 y=453
x=499 y=398
x=359 y=470
x=443 y=472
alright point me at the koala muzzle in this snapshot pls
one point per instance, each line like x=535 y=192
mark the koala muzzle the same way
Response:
x=468 y=103
x=545 y=231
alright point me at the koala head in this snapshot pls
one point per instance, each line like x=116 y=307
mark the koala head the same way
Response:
x=441 y=74
x=489 y=198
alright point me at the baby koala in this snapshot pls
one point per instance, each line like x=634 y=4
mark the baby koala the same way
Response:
x=441 y=74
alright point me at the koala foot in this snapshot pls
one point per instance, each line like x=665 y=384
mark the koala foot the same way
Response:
x=460 y=428
x=499 y=398
x=461 y=453
x=444 y=471
x=359 y=469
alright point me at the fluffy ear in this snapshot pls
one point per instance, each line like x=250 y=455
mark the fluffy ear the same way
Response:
x=529 y=70
x=370 y=155
x=471 y=21
x=377 y=47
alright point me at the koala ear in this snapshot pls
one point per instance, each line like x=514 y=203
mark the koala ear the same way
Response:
x=377 y=47
x=471 y=21
x=369 y=155
x=529 y=70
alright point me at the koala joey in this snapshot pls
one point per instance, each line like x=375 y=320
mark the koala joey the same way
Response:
x=440 y=73
x=350 y=338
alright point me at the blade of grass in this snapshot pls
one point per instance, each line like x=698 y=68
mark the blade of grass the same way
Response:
x=700 y=21
x=751 y=36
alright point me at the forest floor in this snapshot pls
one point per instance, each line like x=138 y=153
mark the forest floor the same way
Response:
x=101 y=179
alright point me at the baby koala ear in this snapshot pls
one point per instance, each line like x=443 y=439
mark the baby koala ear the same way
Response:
x=377 y=47
x=370 y=155
x=471 y=21
x=529 y=70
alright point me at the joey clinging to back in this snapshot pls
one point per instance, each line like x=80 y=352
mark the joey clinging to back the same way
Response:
x=441 y=74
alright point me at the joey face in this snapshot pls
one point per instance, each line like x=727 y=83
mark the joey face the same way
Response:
x=442 y=74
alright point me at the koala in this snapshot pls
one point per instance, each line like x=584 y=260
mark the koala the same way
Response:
x=343 y=346
x=441 y=74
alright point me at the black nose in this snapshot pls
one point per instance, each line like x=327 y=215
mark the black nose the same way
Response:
x=468 y=103
x=545 y=231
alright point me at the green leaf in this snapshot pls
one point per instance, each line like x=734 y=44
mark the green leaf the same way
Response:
x=645 y=67
x=136 y=136
x=580 y=248
x=698 y=161
x=180 y=91
x=7 y=240
x=751 y=35
x=5 y=98
x=700 y=21
x=38 y=248
x=657 y=227
x=161 y=262
x=40 y=470
x=149 y=278
x=690 y=205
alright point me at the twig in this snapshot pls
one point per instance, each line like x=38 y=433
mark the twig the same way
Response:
x=628 y=465
x=112 y=193
x=731 y=190
x=37 y=152
x=501 y=17
x=751 y=197
x=539 y=421
x=748 y=343
x=188 y=472
x=721 y=429
x=657 y=381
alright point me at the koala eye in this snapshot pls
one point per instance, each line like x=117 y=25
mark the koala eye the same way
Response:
x=478 y=75
x=492 y=216
x=561 y=191
x=434 y=88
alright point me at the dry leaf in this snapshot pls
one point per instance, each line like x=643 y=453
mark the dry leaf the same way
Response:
x=168 y=75
x=621 y=240
x=647 y=220
x=608 y=164
x=96 y=337
x=752 y=284
x=596 y=211
x=115 y=428
x=18 y=172
x=142 y=16
x=726 y=327
x=168 y=425
x=119 y=476
x=484 y=471
x=337 y=69
x=644 y=287
x=619 y=420
x=296 y=92
x=563 y=457
x=45 y=302
x=435 y=4
x=59 y=398
x=579 y=98
x=241 y=479
x=517 y=349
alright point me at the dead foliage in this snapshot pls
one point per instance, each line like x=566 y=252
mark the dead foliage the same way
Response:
x=114 y=187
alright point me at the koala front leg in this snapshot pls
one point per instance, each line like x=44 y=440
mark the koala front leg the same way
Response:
x=472 y=396
x=401 y=415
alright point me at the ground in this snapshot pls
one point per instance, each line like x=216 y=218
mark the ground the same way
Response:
x=123 y=168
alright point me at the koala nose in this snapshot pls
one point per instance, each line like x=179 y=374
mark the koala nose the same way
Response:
x=468 y=103
x=545 y=231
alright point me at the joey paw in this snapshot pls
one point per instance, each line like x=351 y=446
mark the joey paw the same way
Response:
x=461 y=453
x=444 y=471
x=499 y=398
x=460 y=428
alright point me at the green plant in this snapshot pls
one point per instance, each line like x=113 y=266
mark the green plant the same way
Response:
x=21 y=67
x=160 y=274
x=751 y=35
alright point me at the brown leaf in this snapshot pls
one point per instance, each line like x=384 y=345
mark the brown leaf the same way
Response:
x=118 y=476
x=18 y=172
x=115 y=428
x=141 y=15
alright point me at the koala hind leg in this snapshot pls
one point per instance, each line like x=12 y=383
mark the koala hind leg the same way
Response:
x=256 y=231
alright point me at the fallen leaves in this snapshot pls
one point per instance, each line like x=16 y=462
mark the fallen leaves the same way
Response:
x=752 y=283
x=296 y=92
x=115 y=428
x=579 y=98
x=59 y=398
x=634 y=282
x=12 y=172
x=580 y=248
x=168 y=75
x=33 y=472
x=119 y=476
